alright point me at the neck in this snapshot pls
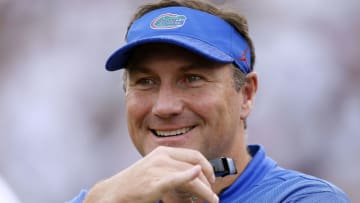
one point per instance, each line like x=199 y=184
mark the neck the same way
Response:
x=224 y=182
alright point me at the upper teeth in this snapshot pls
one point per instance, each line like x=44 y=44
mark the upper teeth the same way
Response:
x=172 y=132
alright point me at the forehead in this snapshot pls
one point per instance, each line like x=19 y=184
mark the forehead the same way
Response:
x=147 y=54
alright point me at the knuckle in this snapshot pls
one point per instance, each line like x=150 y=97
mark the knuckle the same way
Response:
x=160 y=149
x=197 y=156
x=159 y=160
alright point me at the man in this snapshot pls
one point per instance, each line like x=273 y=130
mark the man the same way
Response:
x=190 y=85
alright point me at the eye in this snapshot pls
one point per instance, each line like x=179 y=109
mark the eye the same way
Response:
x=192 y=78
x=145 y=83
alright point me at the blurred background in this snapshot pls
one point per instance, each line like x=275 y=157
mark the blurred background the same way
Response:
x=62 y=122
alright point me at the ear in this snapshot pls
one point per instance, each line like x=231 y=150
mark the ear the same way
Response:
x=248 y=92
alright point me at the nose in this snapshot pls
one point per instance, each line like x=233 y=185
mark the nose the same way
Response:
x=168 y=103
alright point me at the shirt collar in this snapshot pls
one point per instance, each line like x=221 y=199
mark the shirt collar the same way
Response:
x=253 y=173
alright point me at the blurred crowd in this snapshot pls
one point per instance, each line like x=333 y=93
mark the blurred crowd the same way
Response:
x=62 y=121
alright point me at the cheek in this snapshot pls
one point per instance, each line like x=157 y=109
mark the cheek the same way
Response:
x=201 y=103
x=137 y=107
x=219 y=109
x=214 y=102
x=136 y=111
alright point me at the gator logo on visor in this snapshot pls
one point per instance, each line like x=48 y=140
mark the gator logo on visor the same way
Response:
x=168 y=21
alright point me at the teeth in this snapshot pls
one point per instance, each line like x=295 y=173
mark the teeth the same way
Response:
x=163 y=133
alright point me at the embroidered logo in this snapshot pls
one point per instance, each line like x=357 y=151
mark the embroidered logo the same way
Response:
x=244 y=58
x=168 y=21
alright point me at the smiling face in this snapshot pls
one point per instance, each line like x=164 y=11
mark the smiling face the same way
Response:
x=177 y=98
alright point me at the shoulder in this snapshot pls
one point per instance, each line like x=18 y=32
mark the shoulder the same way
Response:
x=294 y=186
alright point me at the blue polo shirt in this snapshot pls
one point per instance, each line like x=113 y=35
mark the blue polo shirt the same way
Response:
x=264 y=181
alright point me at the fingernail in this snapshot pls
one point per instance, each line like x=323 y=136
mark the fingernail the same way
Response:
x=216 y=199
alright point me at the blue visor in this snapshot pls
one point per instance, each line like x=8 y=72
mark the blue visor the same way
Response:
x=196 y=31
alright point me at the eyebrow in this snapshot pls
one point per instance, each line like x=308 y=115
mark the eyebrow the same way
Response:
x=138 y=69
x=189 y=67
x=197 y=66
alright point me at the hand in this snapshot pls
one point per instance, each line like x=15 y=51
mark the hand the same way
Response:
x=163 y=170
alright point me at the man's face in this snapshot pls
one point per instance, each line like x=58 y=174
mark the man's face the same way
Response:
x=179 y=99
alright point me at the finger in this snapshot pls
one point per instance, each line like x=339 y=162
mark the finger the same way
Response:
x=194 y=157
x=180 y=166
x=181 y=178
x=189 y=181
x=175 y=166
x=204 y=179
x=199 y=189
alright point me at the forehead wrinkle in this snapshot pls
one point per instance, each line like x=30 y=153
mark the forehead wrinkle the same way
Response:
x=195 y=65
x=133 y=69
x=143 y=56
x=138 y=69
x=181 y=68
